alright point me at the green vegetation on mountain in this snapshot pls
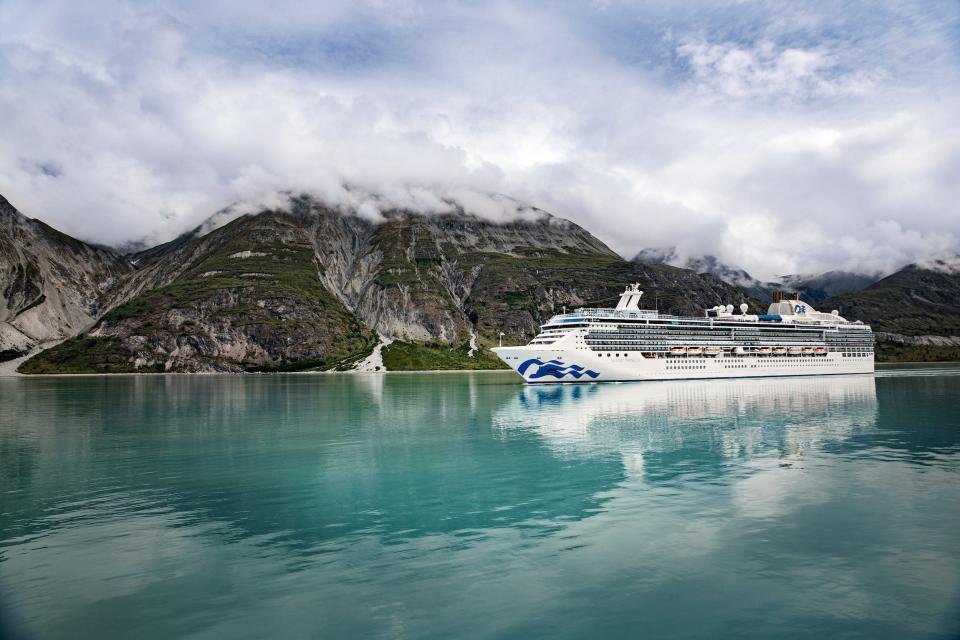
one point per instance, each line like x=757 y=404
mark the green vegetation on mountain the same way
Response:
x=84 y=354
x=254 y=303
x=426 y=356
x=515 y=294
x=890 y=352
x=311 y=288
x=913 y=301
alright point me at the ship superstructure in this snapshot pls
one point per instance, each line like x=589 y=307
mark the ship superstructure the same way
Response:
x=631 y=343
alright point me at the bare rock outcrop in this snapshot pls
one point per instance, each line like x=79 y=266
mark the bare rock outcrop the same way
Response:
x=53 y=286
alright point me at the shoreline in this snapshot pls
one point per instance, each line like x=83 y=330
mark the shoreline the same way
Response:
x=13 y=374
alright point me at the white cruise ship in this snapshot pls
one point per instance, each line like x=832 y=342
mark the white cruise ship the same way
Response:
x=629 y=343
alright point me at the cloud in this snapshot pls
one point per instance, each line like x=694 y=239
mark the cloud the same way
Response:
x=765 y=70
x=950 y=265
x=782 y=140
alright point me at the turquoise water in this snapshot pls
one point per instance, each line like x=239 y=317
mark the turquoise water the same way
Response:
x=467 y=505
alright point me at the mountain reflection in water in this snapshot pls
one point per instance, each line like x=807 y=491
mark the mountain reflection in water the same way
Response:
x=444 y=505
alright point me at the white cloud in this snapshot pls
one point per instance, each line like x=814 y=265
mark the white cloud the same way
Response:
x=950 y=265
x=766 y=70
x=772 y=142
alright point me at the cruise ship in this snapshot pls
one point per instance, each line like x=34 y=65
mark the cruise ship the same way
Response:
x=628 y=343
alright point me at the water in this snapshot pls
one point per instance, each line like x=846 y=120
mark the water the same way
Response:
x=466 y=505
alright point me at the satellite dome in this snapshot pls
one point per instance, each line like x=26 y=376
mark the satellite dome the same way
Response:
x=729 y=308
x=834 y=313
x=743 y=308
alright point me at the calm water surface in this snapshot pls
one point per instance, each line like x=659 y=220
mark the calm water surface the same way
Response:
x=467 y=505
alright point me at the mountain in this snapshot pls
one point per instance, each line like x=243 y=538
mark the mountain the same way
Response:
x=915 y=311
x=817 y=288
x=812 y=288
x=312 y=287
x=731 y=275
x=53 y=286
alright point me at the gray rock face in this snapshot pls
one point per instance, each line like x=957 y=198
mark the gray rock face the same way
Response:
x=919 y=341
x=53 y=286
x=310 y=286
x=411 y=276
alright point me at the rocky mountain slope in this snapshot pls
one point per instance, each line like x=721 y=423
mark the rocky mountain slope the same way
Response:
x=915 y=311
x=813 y=288
x=311 y=287
x=53 y=286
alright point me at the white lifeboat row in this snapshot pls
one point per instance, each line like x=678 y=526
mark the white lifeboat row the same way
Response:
x=712 y=352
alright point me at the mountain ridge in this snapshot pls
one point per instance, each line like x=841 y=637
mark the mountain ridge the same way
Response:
x=242 y=296
x=53 y=285
x=814 y=288
x=309 y=286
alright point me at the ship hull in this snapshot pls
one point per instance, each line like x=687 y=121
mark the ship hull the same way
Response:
x=543 y=365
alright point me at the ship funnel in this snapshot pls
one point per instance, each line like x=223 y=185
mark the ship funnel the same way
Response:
x=630 y=298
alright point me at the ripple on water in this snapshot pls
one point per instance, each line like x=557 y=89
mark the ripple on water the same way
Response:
x=451 y=505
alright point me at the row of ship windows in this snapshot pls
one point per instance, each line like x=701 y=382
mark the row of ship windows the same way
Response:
x=764 y=334
x=707 y=324
x=852 y=352
x=716 y=338
x=711 y=332
x=765 y=339
x=803 y=359
x=606 y=337
x=753 y=366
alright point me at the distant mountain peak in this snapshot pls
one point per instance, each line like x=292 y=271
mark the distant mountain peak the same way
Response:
x=949 y=265
x=656 y=255
x=813 y=287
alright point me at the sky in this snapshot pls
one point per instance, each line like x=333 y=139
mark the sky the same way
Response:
x=783 y=137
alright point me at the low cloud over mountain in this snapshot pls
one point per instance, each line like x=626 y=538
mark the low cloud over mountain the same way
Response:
x=781 y=138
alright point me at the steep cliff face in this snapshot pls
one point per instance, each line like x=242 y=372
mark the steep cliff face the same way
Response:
x=444 y=278
x=53 y=286
x=310 y=287
x=246 y=297
x=411 y=276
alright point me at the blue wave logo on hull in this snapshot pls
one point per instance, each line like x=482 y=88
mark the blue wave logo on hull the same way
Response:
x=553 y=368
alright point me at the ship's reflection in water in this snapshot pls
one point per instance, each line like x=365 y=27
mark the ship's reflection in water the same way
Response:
x=690 y=429
x=455 y=505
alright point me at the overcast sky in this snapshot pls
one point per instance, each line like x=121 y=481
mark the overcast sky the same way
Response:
x=783 y=137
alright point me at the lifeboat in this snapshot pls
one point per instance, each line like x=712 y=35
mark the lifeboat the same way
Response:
x=678 y=351
x=820 y=351
x=713 y=352
x=779 y=351
x=808 y=351
x=739 y=351
x=763 y=351
x=694 y=351
x=794 y=351
x=651 y=356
